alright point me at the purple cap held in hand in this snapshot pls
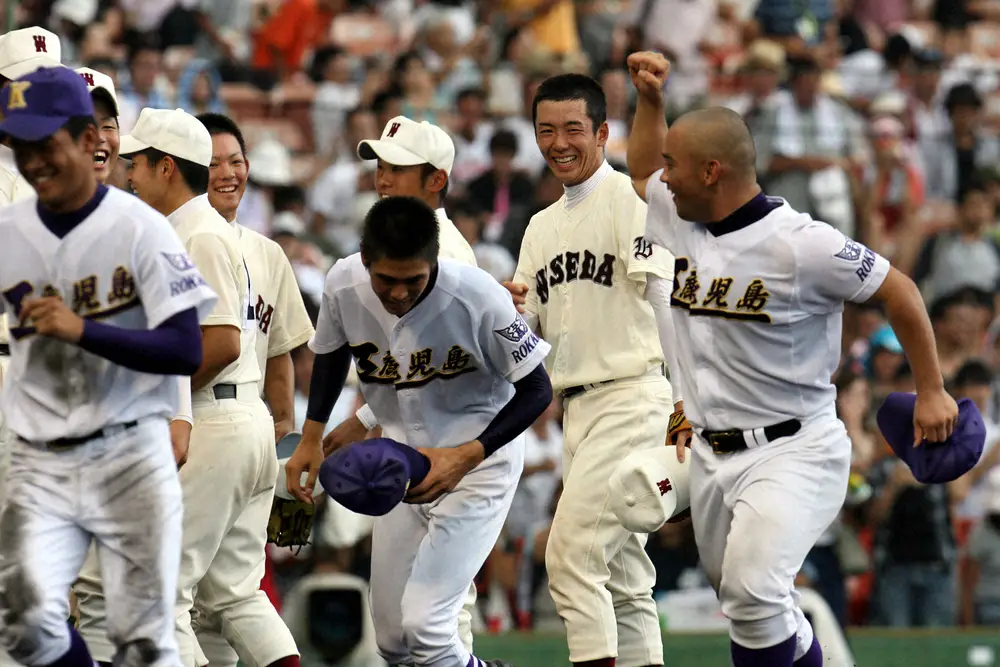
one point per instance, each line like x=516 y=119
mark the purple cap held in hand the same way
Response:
x=933 y=462
x=372 y=476
x=37 y=105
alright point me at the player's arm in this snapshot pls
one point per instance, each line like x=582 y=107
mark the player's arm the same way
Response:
x=523 y=287
x=279 y=392
x=644 y=153
x=220 y=332
x=832 y=269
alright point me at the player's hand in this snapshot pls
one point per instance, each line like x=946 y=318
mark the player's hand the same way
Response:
x=348 y=432
x=50 y=316
x=649 y=71
x=448 y=466
x=679 y=432
x=518 y=292
x=307 y=458
x=934 y=416
x=180 y=438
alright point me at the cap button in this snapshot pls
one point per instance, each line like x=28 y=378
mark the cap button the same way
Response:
x=371 y=486
x=630 y=501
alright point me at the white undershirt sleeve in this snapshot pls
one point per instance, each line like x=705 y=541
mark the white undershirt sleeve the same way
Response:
x=366 y=416
x=185 y=411
x=658 y=292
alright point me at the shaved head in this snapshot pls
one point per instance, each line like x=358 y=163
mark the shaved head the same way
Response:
x=720 y=134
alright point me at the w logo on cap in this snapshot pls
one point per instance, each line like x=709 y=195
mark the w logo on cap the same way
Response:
x=664 y=486
x=88 y=77
x=40 y=46
x=393 y=129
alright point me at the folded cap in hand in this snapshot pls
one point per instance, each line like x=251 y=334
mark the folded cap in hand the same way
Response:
x=372 y=476
x=649 y=487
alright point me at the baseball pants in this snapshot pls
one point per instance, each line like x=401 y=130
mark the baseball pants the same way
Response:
x=756 y=514
x=424 y=558
x=600 y=577
x=111 y=490
x=5 y=438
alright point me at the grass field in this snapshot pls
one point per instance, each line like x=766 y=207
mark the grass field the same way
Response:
x=871 y=648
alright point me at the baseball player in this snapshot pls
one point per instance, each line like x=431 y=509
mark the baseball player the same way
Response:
x=756 y=304
x=283 y=323
x=450 y=368
x=414 y=160
x=228 y=479
x=104 y=303
x=589 y=269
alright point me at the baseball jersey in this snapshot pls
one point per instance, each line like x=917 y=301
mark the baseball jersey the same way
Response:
x=13 y=187
x=757 y=310
x=279 y=312
x=452 y=244
x=437 y=376
x=214 y=246
x=586 y=268
x=123 y=265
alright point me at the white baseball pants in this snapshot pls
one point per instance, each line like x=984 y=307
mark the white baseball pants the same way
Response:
x=756 y=515
x=424 y=558
x=600 y=577
x=111 y=490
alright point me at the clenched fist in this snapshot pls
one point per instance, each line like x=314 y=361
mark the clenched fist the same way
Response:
x=649 y=71
x=50 y=316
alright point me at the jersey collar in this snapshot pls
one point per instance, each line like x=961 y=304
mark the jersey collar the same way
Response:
x=189 y=208
x=61 y=224
x=754 y=210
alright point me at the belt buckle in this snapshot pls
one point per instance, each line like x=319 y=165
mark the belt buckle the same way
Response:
x=719 y=438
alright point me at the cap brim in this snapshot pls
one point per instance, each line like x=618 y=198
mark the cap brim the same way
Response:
x=129 y=146
x=391 y=152
x=19 y=69
x=31 y=128
x=105 y=94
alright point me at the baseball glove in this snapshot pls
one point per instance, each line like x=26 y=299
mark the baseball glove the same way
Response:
x=678 y=424
x=291 y=523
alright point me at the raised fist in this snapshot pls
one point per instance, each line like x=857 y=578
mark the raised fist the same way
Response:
x=649 y=71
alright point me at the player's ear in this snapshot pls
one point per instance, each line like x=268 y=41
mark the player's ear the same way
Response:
x=438 y=181
x=602 y=134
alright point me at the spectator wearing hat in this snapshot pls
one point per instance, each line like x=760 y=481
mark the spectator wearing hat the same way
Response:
x=885 y=358
x=952 y=163
x=896 y=183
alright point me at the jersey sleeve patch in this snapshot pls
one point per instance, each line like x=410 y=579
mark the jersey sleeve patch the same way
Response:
x=851 y=252
x=514 y=332
x=181 y=261
x=642 y=248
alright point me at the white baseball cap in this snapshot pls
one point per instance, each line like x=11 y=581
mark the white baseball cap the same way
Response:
x=405 y=143
x=28 y=49
x=99 y=82
x=175 y=132
x=649 y=487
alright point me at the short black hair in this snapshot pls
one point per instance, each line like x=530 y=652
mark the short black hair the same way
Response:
x=382 y=101
x=973 y=373
x=400 y=228
x=976 y=183
x=218 y=123
x=287 y=197
x=503 y=141
x=195 y=175
x=565 y=87
x=477 y=93
x=963 y=95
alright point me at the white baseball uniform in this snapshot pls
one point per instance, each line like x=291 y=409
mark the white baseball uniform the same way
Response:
x=91 y=456
x=435 y=377
x=757 y=306
x=451 y=245
x=282 y=325
x=228 y=480
x=586 y=262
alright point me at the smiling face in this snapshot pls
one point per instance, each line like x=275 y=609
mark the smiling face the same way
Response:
x=227 y=175
x=106 y=155
x=683 y=174
x=567 y=139
x=398 y=283
x=148 y=182
x=60 y=168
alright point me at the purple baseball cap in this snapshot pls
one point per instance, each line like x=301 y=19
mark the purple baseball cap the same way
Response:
x=372 y=476
x=933 y=462
x=37 y=105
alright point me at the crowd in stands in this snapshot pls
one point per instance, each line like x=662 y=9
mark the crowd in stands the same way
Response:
x=879 y=117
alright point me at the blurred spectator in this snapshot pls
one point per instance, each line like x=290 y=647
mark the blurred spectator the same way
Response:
x=293 y=31
x=500 y=188
x=980 y=591
x=552 y=23
x=198 y=89
x=142 y=87
x=885 y=358
x=336 y=94
x=537 y=486
x=943 y=265
x=974 y=380
x=895 y=182
x=471 y=135
x=270 y=167
x=797 y=24
x=421 y=100
x=952 y=163
x=761 y=73
x=960 y=324
x=224 y=35
x=491 y=257
x=452 y=64
x=930 y=120
x=815 y=140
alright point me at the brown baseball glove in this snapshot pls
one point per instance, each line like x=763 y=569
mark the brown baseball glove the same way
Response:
x=291 y=523
x=678 y=424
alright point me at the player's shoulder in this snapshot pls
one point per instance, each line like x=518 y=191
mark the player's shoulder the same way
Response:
x=347 y=273
x=270 y=248
x=470 y=284
x=21 y=209
x=129 y=208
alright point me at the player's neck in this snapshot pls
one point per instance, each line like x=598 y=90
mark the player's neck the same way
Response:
x=726 y=206
x=173 y=200
x=80 y=200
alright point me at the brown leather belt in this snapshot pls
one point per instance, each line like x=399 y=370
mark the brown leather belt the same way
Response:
x=732 y=440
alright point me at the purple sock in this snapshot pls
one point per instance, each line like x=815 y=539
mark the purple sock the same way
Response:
x=813 y=657
x=77 y=655
x=779 y=655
